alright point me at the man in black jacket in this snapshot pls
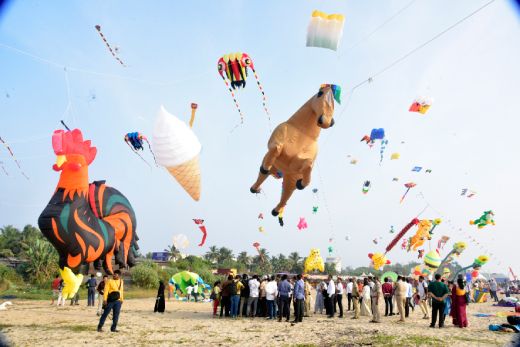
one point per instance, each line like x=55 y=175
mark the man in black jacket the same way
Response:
x=244 y=296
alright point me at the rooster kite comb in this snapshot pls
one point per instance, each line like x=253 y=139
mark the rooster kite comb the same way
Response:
x=71 y=142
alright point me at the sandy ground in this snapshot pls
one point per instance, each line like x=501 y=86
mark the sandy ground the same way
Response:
x=37 y=323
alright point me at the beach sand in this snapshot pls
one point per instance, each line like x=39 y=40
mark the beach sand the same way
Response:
x=37 y=323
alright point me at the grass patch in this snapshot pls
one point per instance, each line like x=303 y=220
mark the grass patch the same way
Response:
x=395 y=341
x=463 y=338
x=229 y=339
x=198 y=327
x=5 y=326
x=78 y=328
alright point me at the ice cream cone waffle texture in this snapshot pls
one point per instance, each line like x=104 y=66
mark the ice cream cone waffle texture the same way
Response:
x=177 y=149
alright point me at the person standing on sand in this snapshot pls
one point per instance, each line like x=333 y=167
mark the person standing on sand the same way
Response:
x=234 y=293
x=493 y=289
x=387 y=293
x=271 y=293
x=376 y=293
x=60 y=296
x=339 y=298
x=349 y=292
x=299 y=298
x=225 y=304
x=214 y=296
x=400 y=296
x=423 y=293
x=262 y=300
x=438 y=291
x=91 y=285
x=331 y=292
x=409 y=294
x=254 y=291
x=284 y=289
x=101 y=293
x=355 y=298
x=170 y=290
x=159 y=303
x=113 y=299
x=56 y=289
x=320 y=300
x=196 y=292
x=307 y=292
x=244 y=297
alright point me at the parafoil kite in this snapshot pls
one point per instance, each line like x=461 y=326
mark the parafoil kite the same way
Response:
x=262 y=230
x=302 y=224
x=12 y=155
x=180 y=241
x=486 y=218
x=472 y=193
x=395 y=156
x=314 y=261
x=193 y=109
x=235 y=68
x=464 y=191
x=86 y=222
x=314 y=209
x=256 y=244
x=396 y=179
x=428 y=171
x=200 y=223
x=315 y=114
x=135 y=142
x=422 y=234
x=261 y=216
x=417 y=169
x=379 y=134
x=331 y=250
x=184 y=279
x=409 y=186
x=421 y=104
x=366 y=186
x=177 y=150
x=442 y=242
x=396 y=239
x=420 y=253
x=436 y=222
x=367 y=139
x=378 y=260
x=325 y=31
x=119 y=60
x=354 y=161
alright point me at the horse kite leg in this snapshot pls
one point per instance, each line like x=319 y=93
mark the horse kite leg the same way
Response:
x=275 y=148
x=289 y=186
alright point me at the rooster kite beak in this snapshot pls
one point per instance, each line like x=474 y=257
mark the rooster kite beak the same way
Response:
x=60 y=160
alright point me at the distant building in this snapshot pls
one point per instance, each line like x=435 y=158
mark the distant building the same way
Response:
x=336 y=261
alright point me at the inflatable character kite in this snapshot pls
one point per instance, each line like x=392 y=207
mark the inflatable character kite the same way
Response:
x=302 y=224
x=486 y=218
x=293 y=146
x=422 y=234
x=86 y=223
x=378 y=260
x=314 y=261
x=135 y=142
x=420 y=253
x=235 y=68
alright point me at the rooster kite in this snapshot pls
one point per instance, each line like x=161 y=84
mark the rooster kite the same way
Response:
x=200 y=223
x=235 y=66
x=86 y=223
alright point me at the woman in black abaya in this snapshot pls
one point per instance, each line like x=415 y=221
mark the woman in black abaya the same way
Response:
x=159 y=303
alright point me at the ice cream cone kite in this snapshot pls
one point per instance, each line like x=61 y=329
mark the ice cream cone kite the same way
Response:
x=177 y=149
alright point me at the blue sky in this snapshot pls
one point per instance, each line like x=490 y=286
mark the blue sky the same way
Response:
x=465 y=138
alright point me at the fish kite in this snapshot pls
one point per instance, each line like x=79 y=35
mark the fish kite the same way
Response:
x=325 y=31
x=256 y=244
x=486 y=218
x=135 y=142
x=409 y=186
x=200 y=222
x=235 y=68
x=100 y=33
x=421 y=104
x=193 y=109
x=302 y=224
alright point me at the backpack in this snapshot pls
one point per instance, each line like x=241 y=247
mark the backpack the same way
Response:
x=233 y=288
x=213 y=296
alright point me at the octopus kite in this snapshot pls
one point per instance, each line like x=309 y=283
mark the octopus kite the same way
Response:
x=135 y=142
x=256 y=244
x=235 y=66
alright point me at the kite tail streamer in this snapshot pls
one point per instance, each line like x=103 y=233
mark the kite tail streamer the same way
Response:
x=404 y=196
x=133 y=150
x=14 y=160
x=396 y=239
x=263 y=94
x=149 y=146
x=383 y=146
x=260 y=255
x=4 y=170
x=100 y=33
x=234 y=99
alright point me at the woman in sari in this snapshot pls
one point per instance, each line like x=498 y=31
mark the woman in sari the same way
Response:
x=458 y=304
x=365 y=304
x=447 y=309
x=159 y=303
x=320 y=302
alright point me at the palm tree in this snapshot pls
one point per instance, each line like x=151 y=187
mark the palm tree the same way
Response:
x=225 y=255
x=258 y=259
x=212 y=254
x=295 y=258
x=243 y=258
x=11 y=239
x=173 y=253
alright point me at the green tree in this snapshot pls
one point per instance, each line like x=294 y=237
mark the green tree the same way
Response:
x=10 y=241
x=213 y=253
x=43 y=261
x=173 y=253
x=149 y=255
x=243 y=258
x=225 y=255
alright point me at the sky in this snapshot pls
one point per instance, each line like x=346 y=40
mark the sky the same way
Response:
x=172 y=49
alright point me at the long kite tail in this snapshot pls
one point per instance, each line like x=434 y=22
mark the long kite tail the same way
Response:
x=260 y=256
x=100 y=33
x=4 y=170
x=263 y=94
x=204 y=234
x=133 y=150
x=14 y=160
x=404 y=196
x=234 y=99
x=149 y=146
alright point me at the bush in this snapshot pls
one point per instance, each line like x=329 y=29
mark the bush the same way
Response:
x=145 y=276
x=166 y=274
x=149 y=264
x=5 y=270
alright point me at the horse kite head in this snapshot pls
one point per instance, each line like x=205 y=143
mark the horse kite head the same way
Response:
x=323 y=104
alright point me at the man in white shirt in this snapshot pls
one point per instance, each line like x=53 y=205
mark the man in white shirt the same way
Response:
x=331 y=289
x=423 y=293
x=349 y=293
x=196 y=292
x=409 y=294
x=188 y=292
x=254 y=287
x=339 y=297
x=271 y=290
